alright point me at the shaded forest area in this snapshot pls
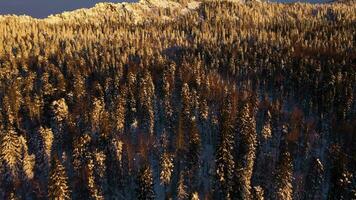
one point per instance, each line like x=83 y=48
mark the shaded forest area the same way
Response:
x=228 y=101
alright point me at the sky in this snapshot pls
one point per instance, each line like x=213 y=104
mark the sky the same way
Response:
x=43 y=8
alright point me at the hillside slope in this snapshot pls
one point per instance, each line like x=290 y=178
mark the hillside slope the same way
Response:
x=191 y=100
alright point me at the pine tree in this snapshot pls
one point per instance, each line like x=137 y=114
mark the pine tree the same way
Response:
x=245 y=151
x=284 y=176
x=58 y=183
x=145 y=190
x=225 y=164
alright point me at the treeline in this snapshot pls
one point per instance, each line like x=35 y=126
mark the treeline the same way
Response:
x=229 y=101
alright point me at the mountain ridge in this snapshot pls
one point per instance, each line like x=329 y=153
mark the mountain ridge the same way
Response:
x=138 y=11
x=141 y=11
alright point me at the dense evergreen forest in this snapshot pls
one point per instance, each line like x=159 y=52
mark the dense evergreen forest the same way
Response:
x=207 y=100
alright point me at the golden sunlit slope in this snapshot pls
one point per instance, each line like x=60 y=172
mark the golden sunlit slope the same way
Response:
x=144 y=10
x=258 y=94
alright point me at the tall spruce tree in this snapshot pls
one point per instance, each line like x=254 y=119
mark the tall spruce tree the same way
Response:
x=146 y=103
x=246 y=141
x=95 y=191
x=166 y=163
x=182 y=193
x=225 y=164
x=10 y=158
x=58 y=181
x=145 y=190
x=284 y=176
x=193 y=158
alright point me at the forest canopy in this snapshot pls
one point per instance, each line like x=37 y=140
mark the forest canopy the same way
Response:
x=180 y=100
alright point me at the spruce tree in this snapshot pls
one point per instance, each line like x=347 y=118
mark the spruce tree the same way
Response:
x=258 y=193
x=58 y=181
x=131 y=103
x=342 y=179
x=167 y=89
x=166 y=163
x=10 y=155
x=145 y=190
x=225 y=164
x=193 y=158
x=246 y=143
x=284 y=176
x=95 y=191
x=146 y=102
x=182 y=188
x=266 y=131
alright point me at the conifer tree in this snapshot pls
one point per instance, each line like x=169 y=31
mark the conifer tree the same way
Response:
x=193 y=159
x=58 y=123
x=195 y=196
x=246 y=142
x=43 y=141
x=27 y=160
x=145 y=190
x=97 y=114
x=131 y=110
x=258 y=193
x=81 y=154
x=186 y=102
x=283 y=174
x=182 y=188
x=167 y=88
x=58 y=181
x=314 y=180
x=342 y=180
x=10 y=154
x=166 y=162
x=225 y=164
x=95 y=190
x=267 y=128
x=146 y=102
x=119 y=115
